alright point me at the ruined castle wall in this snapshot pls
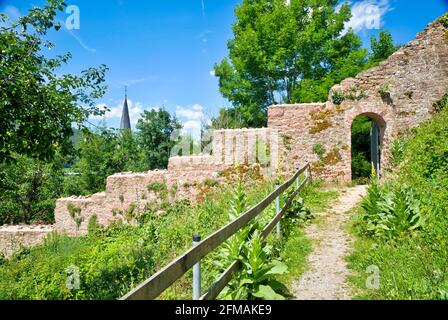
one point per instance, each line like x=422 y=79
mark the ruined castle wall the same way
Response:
x=245 y=146
x=126 y=191
x=398 y=95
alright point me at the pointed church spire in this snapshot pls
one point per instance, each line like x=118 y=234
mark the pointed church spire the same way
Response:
x=125 y=119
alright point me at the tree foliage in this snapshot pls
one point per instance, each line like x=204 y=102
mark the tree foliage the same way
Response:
x=277 y=46
x=155 y=133
x=37 y=104
x=382 y=47
x=100 y=154
x=29 y=189
x=361 y=151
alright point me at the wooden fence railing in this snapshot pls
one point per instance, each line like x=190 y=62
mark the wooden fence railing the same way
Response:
x=163 y=279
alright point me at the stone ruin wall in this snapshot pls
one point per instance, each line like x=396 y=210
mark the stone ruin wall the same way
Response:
x=185 y=175
x=12 y=238
x=414 y=78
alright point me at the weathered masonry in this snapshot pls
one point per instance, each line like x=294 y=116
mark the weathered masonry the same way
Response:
x=397 y=95
x=129 y=191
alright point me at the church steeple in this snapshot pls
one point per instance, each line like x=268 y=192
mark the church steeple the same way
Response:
x=125 y=119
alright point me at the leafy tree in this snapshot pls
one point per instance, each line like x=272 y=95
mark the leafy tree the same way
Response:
x=100 y=154
x=155 y=130
x=129 y=155
x=361 y=157
x=345 y=59
x=29 y=188
x=276 y=47
x=38 y=105
x=228 y=119
x=96 y=161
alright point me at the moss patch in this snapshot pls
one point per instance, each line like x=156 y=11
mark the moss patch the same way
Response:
x=330 y=159
x=333 y=157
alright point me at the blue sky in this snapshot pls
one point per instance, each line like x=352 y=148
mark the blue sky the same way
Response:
x=164 y=50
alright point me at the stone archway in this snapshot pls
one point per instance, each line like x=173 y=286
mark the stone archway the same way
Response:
x=392 y=94
x=377 y=145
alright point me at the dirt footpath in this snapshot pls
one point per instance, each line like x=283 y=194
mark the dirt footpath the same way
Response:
x=327 y=272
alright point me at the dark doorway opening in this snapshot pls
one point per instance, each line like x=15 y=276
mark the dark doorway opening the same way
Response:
x=366 y=148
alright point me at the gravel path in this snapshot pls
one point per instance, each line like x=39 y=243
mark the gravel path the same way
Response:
x=327 y=272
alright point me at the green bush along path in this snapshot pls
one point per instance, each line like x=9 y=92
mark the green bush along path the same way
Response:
x=327 y=271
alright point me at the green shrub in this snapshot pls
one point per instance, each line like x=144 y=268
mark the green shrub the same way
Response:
x=355 y=94
x=256 y=279
x=338 y=97
x=444 y=20
x=403 y=222
x=73 y=210
x=211 y=183
x=130 y=213
x=157 y=187
x=298 y=211
x=409 y=94
x=113 y=261
x=319 y=150
x=441 y=104
x=108 y=266
x=384 y=90
x=389 y=211
x=93 y=225
x=396 y=152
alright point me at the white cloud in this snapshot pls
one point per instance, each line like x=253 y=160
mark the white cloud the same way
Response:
x=135 y=111
x=203 y=36
x=195 y=112
x=212 y=73
x=368 y=14
x=203 y=8
x=192 y=118
x=192 y=125
x=138 y=81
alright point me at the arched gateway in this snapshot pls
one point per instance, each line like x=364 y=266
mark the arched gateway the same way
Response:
x=396 y=95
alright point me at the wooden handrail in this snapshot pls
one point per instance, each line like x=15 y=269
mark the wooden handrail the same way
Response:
x=216 y=288
x=161 y=280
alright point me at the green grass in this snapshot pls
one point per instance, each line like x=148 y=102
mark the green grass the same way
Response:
x=294 y=254
x=318 y=198
x=296 y=247
x=112 y=261
x=407 y=271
